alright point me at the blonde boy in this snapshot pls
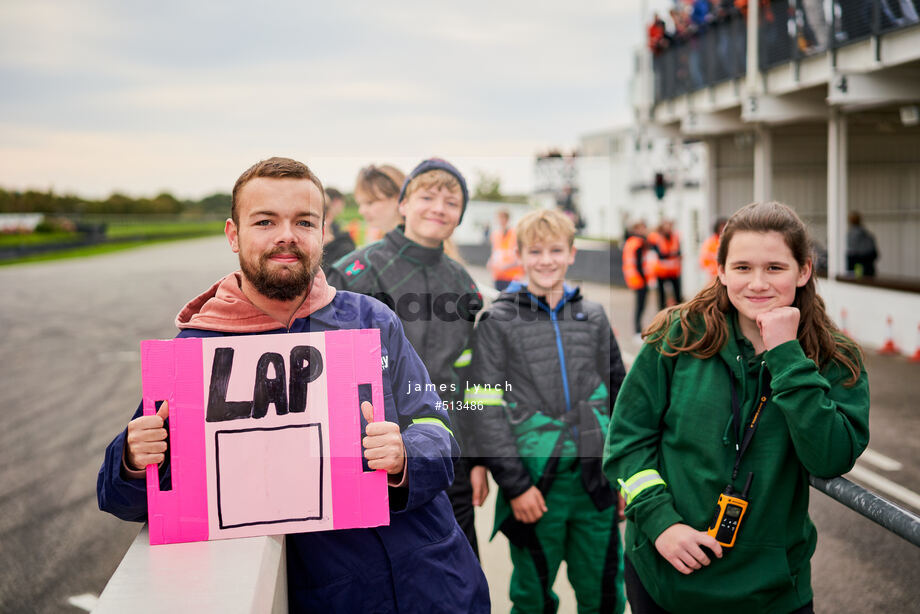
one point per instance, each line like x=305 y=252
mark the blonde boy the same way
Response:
x=547 y=368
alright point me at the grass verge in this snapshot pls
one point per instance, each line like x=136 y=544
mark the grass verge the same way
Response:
x=183 y=229
x=37 y=238
x=94 y=250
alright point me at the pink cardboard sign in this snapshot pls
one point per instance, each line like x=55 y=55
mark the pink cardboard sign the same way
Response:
x=264 y=434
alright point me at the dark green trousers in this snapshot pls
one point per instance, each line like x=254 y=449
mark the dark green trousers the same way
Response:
x=588 y=541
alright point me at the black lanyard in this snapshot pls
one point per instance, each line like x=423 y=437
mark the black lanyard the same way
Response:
x=744 y=438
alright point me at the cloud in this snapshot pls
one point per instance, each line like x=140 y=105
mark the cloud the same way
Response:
x=50 y=35
x=184 y=95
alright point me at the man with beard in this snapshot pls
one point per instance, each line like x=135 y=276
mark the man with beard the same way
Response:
x=422 y=559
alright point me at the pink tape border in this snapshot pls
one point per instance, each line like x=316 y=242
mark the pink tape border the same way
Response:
x=356 y=354
x=173 y=371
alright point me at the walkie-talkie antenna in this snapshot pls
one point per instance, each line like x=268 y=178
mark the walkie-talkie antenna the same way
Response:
x=747 y=485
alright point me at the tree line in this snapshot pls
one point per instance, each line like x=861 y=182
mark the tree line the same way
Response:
x=488 y=187
x=33 y=201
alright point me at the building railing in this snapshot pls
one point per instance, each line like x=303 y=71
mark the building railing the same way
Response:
x=789 y=31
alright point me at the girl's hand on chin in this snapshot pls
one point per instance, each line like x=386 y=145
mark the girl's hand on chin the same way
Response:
x=778 y=326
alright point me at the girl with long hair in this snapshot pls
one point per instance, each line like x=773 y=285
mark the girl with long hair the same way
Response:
x=735 y=398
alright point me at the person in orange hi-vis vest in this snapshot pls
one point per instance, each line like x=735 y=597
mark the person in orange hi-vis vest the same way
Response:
x=709 y=251
x=666 y=244
x=504 y=263
x=636 y=269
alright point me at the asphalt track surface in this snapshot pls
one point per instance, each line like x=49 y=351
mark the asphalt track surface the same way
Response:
x=70 y=379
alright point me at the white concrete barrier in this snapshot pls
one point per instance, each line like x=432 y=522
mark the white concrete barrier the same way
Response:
x=246 y=575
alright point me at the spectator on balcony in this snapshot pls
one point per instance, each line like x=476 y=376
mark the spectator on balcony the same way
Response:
x=816 y=24
x=723 y=10
x=657 y=42
x=701 y=14
x=680 y=33
x=730 y=40
x=774 y=36
x=682 y=24
x=909 y=11
x=898 y=13
x=766 y=13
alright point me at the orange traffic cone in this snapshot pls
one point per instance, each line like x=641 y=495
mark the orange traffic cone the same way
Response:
x=889 y=348
x=916 y=356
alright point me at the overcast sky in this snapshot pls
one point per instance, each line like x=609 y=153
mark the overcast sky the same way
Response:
x=99 y=96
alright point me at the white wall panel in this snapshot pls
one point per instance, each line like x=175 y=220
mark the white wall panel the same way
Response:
x=884 y=186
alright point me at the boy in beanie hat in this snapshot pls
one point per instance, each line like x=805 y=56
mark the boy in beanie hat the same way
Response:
x=431 y=165
x=436 y=299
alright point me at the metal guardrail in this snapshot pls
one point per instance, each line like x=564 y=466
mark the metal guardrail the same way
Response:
x=884 y=513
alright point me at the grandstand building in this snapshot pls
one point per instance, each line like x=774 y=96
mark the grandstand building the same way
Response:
x=815 y=104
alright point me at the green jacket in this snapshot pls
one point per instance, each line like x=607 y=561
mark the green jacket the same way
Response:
x=673 y=416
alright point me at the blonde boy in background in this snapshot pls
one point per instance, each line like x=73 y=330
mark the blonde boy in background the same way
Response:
x=547 y=368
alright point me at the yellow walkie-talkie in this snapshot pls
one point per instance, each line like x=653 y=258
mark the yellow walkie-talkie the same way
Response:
x=730 y=510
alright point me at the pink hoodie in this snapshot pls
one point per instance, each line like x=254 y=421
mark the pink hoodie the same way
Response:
x=224 y=307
